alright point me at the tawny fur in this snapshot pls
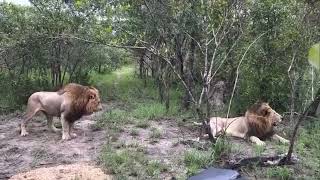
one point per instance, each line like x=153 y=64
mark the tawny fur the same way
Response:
x=257 y=124
x=70 y=103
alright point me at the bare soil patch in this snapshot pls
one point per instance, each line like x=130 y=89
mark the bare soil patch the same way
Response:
x=42 y=148
x=64 y=172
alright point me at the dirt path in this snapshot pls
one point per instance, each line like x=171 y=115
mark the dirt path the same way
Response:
x=42 y=148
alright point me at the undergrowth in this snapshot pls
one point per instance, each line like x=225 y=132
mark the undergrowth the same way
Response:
x=307 y=150
x=140 y=101
x=130 y=162
x=135 y=103
x=196 y=159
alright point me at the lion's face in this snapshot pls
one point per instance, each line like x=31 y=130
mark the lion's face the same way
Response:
x=270 y=114
x=94 y=102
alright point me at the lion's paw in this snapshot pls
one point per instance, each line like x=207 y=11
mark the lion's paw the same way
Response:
x=73 y=135
x=285 y=141
x=24 y=133
x=55 y=130
x=66 y=137
x=260 y=143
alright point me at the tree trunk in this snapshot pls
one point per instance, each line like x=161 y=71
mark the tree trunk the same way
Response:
x=166 y=82
x=179 y=56
x=141 y=65
x=188 y=75
x=99 y=68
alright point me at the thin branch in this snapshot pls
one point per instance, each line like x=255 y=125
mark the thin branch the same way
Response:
x=200 y=47
x=156 y=52
x=238 y=70
x=292 y=83
x=100 y=43
x=201 y=96
x=224 y=59
x=293 y=58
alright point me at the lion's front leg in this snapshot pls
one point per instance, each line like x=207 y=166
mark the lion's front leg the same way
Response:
x=257 y=141
x=65 y=129
x=281 y=139
x=73 y=135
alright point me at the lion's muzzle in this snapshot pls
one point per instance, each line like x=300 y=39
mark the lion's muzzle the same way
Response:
x=99 y=107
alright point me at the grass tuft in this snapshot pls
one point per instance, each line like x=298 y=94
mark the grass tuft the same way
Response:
x=281 y=173
x=154 y=168
x=142 y=124
x=155 y=133
x=134 y=132
x=195 y=160
x=130 y=162
x=149 y=111
x=258 y=150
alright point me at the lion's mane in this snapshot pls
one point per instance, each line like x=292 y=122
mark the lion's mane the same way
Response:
x=259 y=121
x=80 y=103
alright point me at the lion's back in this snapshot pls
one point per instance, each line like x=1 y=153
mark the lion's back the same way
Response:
x=50 y=102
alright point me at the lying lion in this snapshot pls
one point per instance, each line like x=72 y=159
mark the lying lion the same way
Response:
x=257 y=124
x=69 y=103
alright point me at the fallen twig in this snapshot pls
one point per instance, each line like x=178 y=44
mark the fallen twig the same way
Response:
x=259 y=161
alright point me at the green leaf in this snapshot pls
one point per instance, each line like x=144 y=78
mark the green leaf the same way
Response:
x=314 y=56
x=108 y=29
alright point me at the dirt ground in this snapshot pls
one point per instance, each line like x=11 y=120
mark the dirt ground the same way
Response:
x=64 y=172
x=42 y=148
x=168 y=148
x=43 y=151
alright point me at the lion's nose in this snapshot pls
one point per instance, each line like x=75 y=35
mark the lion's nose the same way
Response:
x=100 y=107
x=281 y=118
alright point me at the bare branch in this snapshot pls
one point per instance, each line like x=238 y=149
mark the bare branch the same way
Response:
x=292 y=83
x=225 y=58
x=199 y=45
x=238 y=70
x=156 y=52
x=96 y=42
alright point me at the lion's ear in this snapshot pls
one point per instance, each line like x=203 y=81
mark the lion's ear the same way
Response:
x=92 y=96
x=265 y=112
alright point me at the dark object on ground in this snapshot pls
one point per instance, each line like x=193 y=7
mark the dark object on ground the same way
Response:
x=261 y=161
x=217 y=174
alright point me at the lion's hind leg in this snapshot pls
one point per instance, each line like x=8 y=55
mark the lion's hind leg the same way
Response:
x=51 y=125
x=31 y=111
x=216 y=127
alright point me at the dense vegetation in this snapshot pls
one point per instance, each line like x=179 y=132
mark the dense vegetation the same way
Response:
x=249 y=45
x=178 y=57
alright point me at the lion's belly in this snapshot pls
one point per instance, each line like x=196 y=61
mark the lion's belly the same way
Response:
x=236 y=124
x=51 y=103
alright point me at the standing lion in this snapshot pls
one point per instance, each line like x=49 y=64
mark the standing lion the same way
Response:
x=257 y=124
x=69 y=103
